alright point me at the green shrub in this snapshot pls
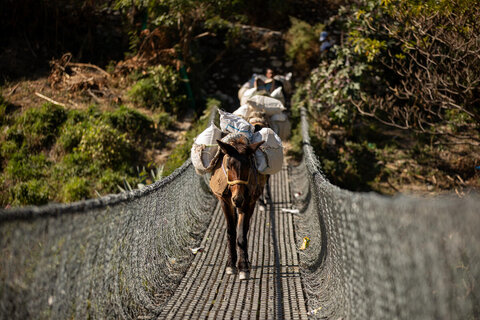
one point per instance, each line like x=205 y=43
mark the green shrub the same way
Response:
x=22 y=167
x=6 y=110
x=164 y=120
x=302 y=45
x=74 y=164
x=75 y=189
x=107 y=145
x=181 y=153
x=32 y=192
x=37 y=128
x=129 y=120
x=160 y=89
x=109 y=181
x=8 y=148
x=72 y=131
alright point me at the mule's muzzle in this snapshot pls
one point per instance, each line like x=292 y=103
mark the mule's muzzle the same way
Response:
x=238 y=200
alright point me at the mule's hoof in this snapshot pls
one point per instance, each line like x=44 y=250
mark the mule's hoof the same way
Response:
x=230 y=270
x=243 y=275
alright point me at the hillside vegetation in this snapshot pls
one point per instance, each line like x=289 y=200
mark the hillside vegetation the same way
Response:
x=97 y=96
x=395 y=104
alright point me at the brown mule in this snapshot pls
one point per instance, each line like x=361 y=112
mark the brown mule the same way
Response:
x=237 y=185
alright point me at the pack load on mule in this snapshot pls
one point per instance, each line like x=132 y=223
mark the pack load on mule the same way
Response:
x=274 y=110
x=248 y=89
x=205 y=150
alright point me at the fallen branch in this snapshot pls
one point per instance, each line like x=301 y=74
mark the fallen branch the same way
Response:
x=13 y=90
x=50 y=100
x=97 y=99
x=88 y=65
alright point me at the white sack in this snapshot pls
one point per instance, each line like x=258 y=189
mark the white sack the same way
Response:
x=247 y=94
x=269 y=156
x=242 y=111
x=282 y=128
x=278 y=94
x=242 y=89
x=279 y=117
x=268 y=105
x=234 y=124
x=205 y=148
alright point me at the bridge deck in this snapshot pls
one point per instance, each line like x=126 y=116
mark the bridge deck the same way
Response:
x=274 y=290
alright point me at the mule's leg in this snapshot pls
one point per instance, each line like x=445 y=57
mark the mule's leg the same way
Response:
x=231 y=218
x=268 y=194
x=243 y=225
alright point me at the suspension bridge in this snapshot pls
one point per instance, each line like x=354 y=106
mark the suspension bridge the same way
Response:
x=130 y=255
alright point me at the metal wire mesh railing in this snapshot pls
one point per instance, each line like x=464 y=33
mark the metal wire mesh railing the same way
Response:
x=119 y=256
x=375 y=257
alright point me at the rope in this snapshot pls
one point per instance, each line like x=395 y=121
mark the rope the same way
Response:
x=377 y=257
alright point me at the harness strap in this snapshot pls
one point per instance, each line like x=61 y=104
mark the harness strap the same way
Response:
x=234 y=182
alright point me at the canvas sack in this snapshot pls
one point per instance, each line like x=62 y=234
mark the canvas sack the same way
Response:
x=269 y=156
x=281 y=125
x=278 y=94
x=243 y=111
x=243 y=88
x=234 y=124
x=205 y=149
x=268 y=105
x=247 y=94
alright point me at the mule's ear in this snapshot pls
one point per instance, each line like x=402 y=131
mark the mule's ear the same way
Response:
x=226 y=148
x=254 y=146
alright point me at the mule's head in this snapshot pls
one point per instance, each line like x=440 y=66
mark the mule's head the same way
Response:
x=238 y=163
x=258 y=119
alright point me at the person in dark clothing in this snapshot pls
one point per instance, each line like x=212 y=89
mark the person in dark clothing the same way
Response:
x=269 y=83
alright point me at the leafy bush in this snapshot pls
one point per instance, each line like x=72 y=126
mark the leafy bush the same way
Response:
x=93 y=150
x=38 y=127
x=107 y=145
x=161 y=89
x=406 y=63
x=182 y=152
x=75 y=189
x=32 y=192
x=72 y=131
x=22 y=167
x=110 y=180
x=302 y=45
x=6 y=110
x=130 y=120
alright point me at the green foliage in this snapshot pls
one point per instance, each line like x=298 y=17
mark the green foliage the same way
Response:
x=406 y=63
x=75 y=189
x=182 y=152
x=129 y=120
x=164 y=120
x=6 y=110
x=106 y=145
x=161 y=89
x=82 y=151
x=37 y=128
x=302 y=45
x=31 y=192
x=72 y=131
x=109 y=180
x=22 y=167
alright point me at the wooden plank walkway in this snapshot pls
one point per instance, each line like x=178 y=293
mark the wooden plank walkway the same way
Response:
x=274 y=290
